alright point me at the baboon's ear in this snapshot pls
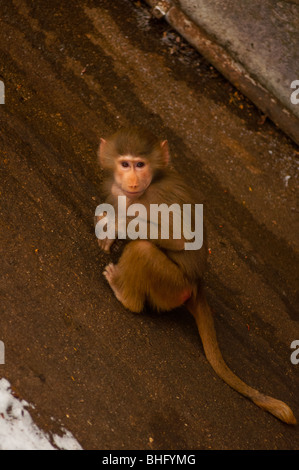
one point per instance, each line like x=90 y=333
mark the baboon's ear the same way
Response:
x=101 y=152
x=165 y=152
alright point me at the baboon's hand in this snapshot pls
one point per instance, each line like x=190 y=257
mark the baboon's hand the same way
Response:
x=105 y=244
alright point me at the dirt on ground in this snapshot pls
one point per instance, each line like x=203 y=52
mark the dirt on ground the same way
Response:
x=75 y=72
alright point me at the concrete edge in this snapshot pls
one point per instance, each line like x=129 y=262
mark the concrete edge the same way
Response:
x=233 y=71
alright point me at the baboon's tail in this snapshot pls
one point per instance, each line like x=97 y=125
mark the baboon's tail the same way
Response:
x=199 y=308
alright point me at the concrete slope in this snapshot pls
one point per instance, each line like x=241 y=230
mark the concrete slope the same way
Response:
x=253 y=44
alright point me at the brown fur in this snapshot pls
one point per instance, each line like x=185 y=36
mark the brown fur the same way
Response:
x=161 y=271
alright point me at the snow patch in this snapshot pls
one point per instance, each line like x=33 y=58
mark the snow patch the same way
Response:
x=19 y=432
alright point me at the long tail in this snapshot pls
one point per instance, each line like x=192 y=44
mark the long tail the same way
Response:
x=199 y=308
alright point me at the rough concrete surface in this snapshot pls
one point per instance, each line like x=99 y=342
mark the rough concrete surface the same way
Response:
x=253 y=44
x=76 y=71
x=263 y=36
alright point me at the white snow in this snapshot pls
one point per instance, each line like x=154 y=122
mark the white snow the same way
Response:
x=19 y=432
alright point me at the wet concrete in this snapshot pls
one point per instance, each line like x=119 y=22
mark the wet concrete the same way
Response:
x=114 y=379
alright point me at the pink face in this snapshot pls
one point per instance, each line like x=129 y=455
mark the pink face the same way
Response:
x=133 y=175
